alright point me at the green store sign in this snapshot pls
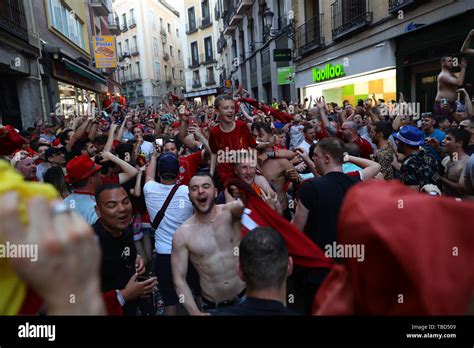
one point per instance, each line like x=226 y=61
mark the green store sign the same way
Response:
x=329 y=72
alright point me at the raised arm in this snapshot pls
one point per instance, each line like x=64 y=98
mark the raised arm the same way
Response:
x=151 y=169
x=128 y=170
x=111 y=137
x=370 y=168
x=78 y=134
x=465 y=46
x=457 y=81
x=137 y=190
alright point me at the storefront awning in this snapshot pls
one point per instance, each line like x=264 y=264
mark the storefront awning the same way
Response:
x=82 y=71
x=200 y=93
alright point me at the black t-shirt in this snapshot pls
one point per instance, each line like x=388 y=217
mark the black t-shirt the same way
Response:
x=255 y=306
x=470 y=149
x=118 y=260
x=323 y=198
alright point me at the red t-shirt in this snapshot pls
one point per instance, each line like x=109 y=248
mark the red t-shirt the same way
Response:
x=110 y=179
x=365 y=148
x=323 y=133
x=237 y=139
x=188 y=166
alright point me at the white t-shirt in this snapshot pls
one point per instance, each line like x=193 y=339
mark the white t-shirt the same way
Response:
x=179 y=210
x=147 y=148
x=305 y=146
x=296 y=135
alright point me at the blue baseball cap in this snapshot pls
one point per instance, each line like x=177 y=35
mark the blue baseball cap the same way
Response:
x=168 y=164
x=409 y=135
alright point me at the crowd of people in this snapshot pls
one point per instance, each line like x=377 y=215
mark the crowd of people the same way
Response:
x=191 y=204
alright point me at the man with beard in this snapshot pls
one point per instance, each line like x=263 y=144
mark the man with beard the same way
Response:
x=84 y=147
x=210 y=239
x=350 y=135
x=178 y=211
x=120 y=263
x=418 y=168
x=455 y=143
x=448 y=84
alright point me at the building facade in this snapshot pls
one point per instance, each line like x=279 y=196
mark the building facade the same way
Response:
x=151 y=61
x=20 y=72
x=250 y=46
x=200 y=51
x=348 y=49
x=66 y=29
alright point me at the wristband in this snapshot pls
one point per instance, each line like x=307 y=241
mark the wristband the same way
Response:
x=120 y=298
x=271 y=154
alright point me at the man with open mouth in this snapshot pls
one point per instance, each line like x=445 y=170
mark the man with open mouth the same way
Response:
x=210 y=240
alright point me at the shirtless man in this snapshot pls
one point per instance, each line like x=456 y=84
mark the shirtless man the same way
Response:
x=455 y=142
x=210 y=239
x=448 y=84
x=275 y=170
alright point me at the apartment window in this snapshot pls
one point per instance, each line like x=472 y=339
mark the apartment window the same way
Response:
x=210 y=76
x=124 y=19
x=158 y=71
x=171 y=51
x=155 y=46
x=169 y=28
x=208 y=48
x=179 y=54
x=196 y=78
x=177 y=32
x=135 y=44
x=195 y=53
x=181 y=76
x=166 y=71
x=153 y=20
x=127 y=45
x=132 y=17
x=205 y=8
x=137 y=66
x=191 y=19
x=120 y=48
x=66 y=23
x=172 y=74
x=161 y=23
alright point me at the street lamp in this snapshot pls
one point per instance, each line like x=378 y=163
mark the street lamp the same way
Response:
x=289 y=29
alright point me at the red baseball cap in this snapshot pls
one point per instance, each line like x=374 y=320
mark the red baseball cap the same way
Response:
x=80 y=168
x=176 y=124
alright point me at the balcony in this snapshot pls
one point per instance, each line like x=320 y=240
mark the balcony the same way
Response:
x=242 y=6
x=168 y=80
x=205 y=22
x=196 y=83
x=349 y=16
x=228 y=29
x=139 y=94
x=217 y=13
x=100 y=8
x=206 y=59
x=135 y=77
x=193 y=62
x=191 y=27
x=13 y=20
x=235 y=19
x=134 y=51
x=309 y=35
x=132 y=23
x=221 y=43
x=114 y=26
x=166 y=56
x=395 y=5
x=210 y=80
x=124 y=27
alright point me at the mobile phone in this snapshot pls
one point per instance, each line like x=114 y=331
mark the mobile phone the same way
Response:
x=159 y=142
x=192 y=120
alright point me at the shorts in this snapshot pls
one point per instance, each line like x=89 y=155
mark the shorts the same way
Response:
x=165 y=279
x=437 y=109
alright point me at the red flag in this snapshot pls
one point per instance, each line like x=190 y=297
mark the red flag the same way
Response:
x=302 y=249
x=279 y=115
